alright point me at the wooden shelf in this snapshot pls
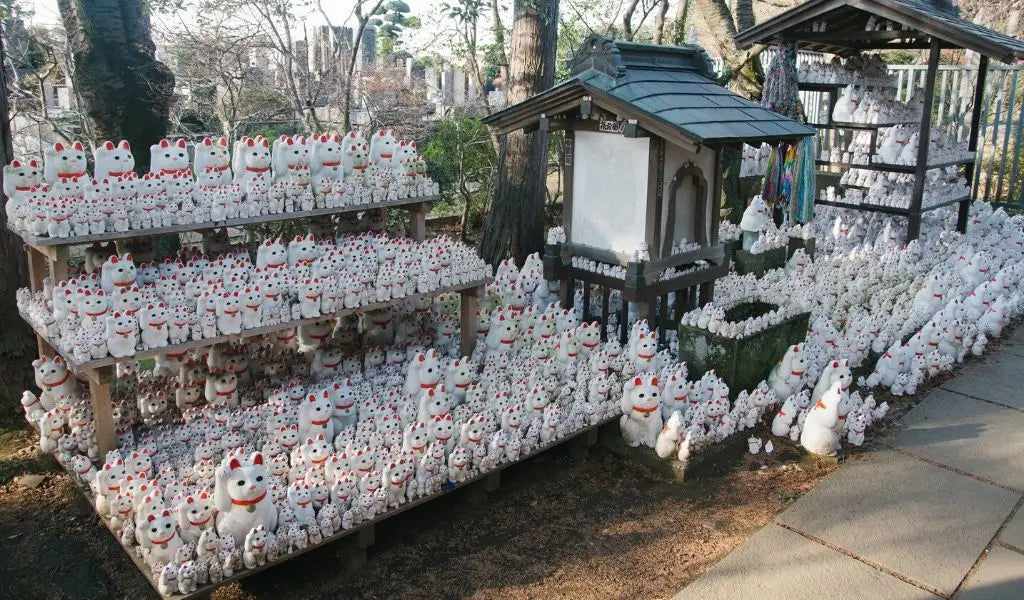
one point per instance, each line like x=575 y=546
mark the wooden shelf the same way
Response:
x=808 y=86
x=892 y=168
x=204 y=591
x=864 y=126
x=890 y=209
x=964 y=198
x=45 y=241
x=865 y=207
x=246 y=333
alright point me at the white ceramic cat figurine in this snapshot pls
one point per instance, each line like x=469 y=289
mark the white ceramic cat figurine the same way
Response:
x=242 y=499
x=818 y=435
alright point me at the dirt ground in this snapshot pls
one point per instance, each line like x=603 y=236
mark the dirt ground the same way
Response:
x=603 y=527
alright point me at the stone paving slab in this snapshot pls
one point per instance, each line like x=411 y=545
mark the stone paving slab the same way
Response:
x=976 y=437
x=1013 y=534
x=996 y=377
x=922 y=521
x=1000 y=577
x=778 y=564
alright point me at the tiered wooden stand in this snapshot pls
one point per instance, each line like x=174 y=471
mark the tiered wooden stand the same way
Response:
x=832 y=127
x=49 y=257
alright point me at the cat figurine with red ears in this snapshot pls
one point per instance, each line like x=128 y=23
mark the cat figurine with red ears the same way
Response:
x=113 y=160
x=213 y=161
x=122 y=334
x=117 y=272
x=241 y=495
x=161 y=540
x=641 y=411
x=315 y=414
x=64 y=169
x=424 y=373
x=169 y=158
x=54 y=379
x=195 y=515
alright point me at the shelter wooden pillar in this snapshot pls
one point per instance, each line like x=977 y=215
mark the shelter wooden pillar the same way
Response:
x=972 y=141
x=914 y=218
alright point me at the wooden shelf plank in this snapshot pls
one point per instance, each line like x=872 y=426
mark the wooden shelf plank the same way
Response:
x=246 y=333
x=892 y=168
x=864 y=126
x=44 y=241
x=865 y=207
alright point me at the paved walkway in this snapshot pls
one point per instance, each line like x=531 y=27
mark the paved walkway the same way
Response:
x=935 y=513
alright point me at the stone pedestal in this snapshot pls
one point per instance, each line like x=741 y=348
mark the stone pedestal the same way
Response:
x=743 y=362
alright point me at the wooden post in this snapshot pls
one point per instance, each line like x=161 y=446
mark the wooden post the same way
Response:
x=102 y=415
x=972 y=141
x=36 y=268
x=605 y=300
x=566 y=292
x=914 y=218
x=586 y=301
x=468 y=303
x=36 y=276
x=418 y=221
x=59 y=269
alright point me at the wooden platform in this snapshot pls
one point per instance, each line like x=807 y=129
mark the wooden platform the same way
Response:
x=364 y=531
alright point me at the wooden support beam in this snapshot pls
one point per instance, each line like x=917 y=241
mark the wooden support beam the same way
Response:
x=972 y=141
x=468 y=304
x=103 y=418
x=586 y=301
x=606 y=293
x=418 y=221
x=493 y=481
x=914 y=218
x=36 y=268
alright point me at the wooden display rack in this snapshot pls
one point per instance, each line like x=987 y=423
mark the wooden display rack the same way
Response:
x=49 y=257
x=361 y=536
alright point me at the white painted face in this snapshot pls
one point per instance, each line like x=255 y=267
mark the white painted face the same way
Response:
x=170 y=155
x=247 y=481
x=160 y=527
x=441 y=428
x=68 y=159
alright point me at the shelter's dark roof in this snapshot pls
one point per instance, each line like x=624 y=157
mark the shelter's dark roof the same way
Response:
x=845 y=34
x=668 y=90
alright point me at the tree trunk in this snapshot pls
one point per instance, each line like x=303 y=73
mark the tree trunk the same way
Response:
x=679 y=25
x=498 y=30
x=357 y=39
x=743 y=76
x=126 y=92
x=515 y=224
x=744 y=10
x=17 y=346
x=659 y=21
x=627 y=20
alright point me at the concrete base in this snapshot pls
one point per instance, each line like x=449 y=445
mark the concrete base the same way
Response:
x=670 y=468
x=741 y=363
x=759 y=264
